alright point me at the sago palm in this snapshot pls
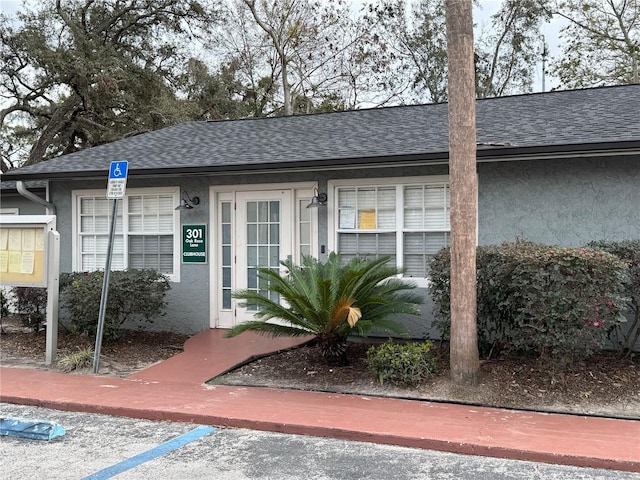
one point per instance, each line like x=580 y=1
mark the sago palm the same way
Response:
x=331 y=301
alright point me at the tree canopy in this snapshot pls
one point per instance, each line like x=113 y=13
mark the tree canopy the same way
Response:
x=79 y=73
x=601 y=42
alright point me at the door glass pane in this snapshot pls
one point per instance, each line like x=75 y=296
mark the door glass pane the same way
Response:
x=226 y=234
x=274 y=233
x=263 y=233
x=226 y=299
x=263 y=211
x=304 y=225
x=305 y=234
x=252 y=278
x=274 y=211
x=252 y=255
x=252 y=234
x=274 y=258
x=226 y=212
x=225 y=216
x=263 y=256
x=263 y=242
x=252 y=212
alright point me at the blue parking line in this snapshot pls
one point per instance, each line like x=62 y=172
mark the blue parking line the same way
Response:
x=155 y=452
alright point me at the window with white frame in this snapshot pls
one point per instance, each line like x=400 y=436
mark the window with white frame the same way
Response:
x=145 y=237
x=407 y=221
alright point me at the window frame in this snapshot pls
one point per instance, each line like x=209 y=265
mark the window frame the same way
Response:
x=76 y=195
x=10 y=211
x=399 y=229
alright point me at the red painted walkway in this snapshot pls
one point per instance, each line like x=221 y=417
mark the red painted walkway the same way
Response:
x=174 y=390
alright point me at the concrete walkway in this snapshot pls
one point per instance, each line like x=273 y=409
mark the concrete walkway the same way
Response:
x=174 y=390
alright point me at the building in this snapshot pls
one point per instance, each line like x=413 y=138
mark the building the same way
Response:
x=560 y=168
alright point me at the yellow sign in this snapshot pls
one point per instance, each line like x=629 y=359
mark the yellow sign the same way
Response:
x=368 y=219
x=22 y=256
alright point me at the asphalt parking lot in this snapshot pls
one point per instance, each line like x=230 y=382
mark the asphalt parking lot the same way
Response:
x=101 y=447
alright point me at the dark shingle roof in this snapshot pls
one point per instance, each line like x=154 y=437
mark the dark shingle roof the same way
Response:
x=552 y=122
x=7 y=186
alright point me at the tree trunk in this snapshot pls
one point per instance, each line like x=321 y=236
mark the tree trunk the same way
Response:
x=464 y=188
x=334 y=349
x=286 y=88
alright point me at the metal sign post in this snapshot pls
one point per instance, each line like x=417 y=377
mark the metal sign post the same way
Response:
x=115 y=190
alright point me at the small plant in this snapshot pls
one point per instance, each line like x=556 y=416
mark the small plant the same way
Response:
x=76 y=361
x=402 y=363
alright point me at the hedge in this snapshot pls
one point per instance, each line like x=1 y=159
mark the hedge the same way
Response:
x=629 y=251
x=554 y=302
x=133 y=295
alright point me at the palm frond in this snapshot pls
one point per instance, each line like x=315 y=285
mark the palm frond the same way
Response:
x=331 y=298
x=273 y=329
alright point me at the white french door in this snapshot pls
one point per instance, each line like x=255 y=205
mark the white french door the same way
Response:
x=255 y=231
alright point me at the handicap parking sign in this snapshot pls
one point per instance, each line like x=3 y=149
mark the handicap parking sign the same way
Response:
x=118 y=170
x=117 y=179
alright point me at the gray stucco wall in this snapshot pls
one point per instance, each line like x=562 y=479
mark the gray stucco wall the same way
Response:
x=564 y=202
x=559 y=202
x=24 y=206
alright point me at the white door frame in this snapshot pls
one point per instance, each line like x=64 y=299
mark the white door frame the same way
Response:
x=299 y=195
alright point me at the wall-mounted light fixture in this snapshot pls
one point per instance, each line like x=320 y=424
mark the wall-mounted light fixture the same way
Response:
x=318 y=199
x=187 y=202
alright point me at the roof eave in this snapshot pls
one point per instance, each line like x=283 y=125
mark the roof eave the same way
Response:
x=513 y=153
x=501 y=153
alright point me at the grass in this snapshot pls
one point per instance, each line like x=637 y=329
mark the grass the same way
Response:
x=76 y=361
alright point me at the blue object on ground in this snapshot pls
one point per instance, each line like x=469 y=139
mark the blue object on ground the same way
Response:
x=155 y=452
x=34 y=429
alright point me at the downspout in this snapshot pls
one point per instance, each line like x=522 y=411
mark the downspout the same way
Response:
x=22 y=190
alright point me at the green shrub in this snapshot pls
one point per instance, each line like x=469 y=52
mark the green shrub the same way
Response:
x=489 y=316
x=4 y=305
x=628 y=251
x=402 y=363
x=76 y=361
x=31 y=304
x=558 y=303
x=134 y=295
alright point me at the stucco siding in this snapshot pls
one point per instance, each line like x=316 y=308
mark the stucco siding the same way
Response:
x=23 y=205
x=559 y=202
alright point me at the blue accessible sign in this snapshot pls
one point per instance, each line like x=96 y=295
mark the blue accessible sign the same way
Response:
x=117 y=179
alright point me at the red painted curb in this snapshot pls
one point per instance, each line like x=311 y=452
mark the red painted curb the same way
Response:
x=466 y=448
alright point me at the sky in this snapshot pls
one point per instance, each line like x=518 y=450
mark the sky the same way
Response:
x=482 y=14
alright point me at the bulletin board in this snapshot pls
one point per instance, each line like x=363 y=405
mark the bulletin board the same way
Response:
x=23 y=259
